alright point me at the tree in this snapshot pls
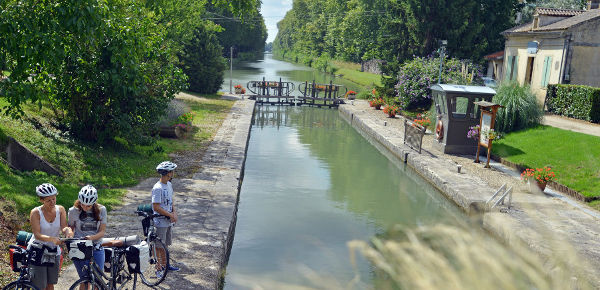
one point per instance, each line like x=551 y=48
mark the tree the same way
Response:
x=202 y=60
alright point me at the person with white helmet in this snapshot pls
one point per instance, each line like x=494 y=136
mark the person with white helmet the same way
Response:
x=88 y=218
x=47 y=222
x=162 y=203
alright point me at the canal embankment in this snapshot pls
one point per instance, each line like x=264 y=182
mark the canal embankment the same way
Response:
x=206 y=206
x=563 y=233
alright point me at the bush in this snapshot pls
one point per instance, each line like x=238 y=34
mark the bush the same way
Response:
x=363 y=95
x=580 y=102
x=417 y=75
x=203 y=62
x=521 y=108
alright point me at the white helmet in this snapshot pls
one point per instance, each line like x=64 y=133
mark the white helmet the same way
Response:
x=166 y=166
x=88 y=195
x=46 y=189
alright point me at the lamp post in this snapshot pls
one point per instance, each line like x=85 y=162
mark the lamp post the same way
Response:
x=230 y=68
x=443 y=44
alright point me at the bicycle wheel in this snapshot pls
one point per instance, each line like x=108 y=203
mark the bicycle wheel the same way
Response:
x=87 y=284
x=20 y=285
x=156 y=272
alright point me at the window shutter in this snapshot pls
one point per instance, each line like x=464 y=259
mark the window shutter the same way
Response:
x=546 y=71
x=515 y=69
x=508 y=72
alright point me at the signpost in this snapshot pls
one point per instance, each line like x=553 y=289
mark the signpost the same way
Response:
x=486 y=124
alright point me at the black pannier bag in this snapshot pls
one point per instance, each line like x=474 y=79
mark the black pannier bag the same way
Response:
x=80 y=250
x=138 y=257
x=43 y=255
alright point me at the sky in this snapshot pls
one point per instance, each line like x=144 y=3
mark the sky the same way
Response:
x=273 y=11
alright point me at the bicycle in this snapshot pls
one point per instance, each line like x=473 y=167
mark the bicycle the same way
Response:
x=119 y=276
x=156 y=274
x=21 y=261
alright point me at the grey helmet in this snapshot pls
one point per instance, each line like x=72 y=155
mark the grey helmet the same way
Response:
x=46 y=189
x=165 y=167
x=88 y=195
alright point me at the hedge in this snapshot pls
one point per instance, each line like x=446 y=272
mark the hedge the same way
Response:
x=580 y=102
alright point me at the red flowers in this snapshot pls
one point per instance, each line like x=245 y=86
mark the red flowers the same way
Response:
x=541 y=175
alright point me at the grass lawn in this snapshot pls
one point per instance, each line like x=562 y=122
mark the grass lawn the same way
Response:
x=574 y=157
x=107 y=168
x=351 y=72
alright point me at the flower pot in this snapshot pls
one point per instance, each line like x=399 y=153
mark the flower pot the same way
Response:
x=377 y=107
x=392 y=115
x=238 y=90
x=541 y=185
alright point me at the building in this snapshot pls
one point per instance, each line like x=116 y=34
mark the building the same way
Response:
x=495 y=65
x=560 y=46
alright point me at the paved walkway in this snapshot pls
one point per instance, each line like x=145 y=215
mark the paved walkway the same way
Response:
x=572 y=124
x=562 y=231
x=206 y=205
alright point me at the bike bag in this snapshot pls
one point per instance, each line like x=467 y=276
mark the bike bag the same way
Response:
x=43 y=255
x=80 y=250
x=17 y=259
x=138 y=257
x=108 y=253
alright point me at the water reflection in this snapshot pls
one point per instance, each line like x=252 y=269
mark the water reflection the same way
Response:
x=272 y=70
x=312 y=184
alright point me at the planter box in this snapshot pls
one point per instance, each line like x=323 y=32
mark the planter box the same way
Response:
x=172 y=132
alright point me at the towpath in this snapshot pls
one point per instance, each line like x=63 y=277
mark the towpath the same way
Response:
x=206 y=205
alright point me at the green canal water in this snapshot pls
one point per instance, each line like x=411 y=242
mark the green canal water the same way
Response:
x=311 y=184
x=272 y=69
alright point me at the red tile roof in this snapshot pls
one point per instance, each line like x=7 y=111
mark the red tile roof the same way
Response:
x=571 y=21
x=495 y=55
x=557 y=12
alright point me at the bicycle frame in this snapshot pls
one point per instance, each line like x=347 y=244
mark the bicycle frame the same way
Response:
x=117 y=271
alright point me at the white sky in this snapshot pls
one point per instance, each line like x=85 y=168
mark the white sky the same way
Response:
x=273 y=11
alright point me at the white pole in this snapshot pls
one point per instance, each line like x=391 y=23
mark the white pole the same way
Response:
x=230 y=67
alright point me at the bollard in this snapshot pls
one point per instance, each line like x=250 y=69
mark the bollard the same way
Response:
x=352 y=102
x=384 y=123
x=458 y=168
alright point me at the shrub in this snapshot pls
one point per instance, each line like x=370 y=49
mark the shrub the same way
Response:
x=417 y=75
x=364 y=95
x=202 y=61
x=521 y=108
x=580 y=102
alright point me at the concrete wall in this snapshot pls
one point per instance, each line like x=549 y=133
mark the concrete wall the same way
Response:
x=24 y=159
x=584 y=53
x=552 y=46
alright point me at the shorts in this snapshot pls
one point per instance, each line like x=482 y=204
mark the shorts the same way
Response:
x=164 y=234
x=41 y=276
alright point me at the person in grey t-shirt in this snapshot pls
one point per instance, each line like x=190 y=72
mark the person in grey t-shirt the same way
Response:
x=162 y=203
x=87 y=218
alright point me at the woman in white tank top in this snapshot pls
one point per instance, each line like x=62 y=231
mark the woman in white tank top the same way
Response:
x=47 y=222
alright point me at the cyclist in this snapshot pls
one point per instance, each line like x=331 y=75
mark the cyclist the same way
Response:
x=88 y=218
x=47 y=221
x=162 y=203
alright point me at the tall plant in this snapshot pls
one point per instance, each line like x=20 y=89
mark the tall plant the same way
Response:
x=521 y=108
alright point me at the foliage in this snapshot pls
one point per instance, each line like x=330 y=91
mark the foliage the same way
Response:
x=417 y=75
x=391 y=110
x=376 y=102
x=363 y=95
x=245 y=32
x=186 y=118
x=103 y=67
x=546 y=146
x=422 y=120
x=527 y=9
x=473 y=132
x=108 y=168
x=202 y=61
x=580 y=102
x=543 y=174
x=237 y=86
x=521 y=108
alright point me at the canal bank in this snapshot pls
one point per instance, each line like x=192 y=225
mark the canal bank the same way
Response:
x=564 y=234
x=206 y=206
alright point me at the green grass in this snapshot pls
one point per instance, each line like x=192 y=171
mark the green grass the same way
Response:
x=351 y=72
x=574 y=157
x=107 y=168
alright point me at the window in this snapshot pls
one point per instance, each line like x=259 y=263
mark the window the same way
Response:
x=459 y=106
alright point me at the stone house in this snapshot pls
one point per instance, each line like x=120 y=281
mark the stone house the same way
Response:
x=560 y=46
x=495 y=65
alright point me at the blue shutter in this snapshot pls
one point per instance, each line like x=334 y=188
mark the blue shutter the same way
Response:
x=546 y=71
x=515 y=68
x=508 y=72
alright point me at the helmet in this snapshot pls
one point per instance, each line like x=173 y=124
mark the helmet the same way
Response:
x=165 y=167
x=46 y=189
x=88 y=195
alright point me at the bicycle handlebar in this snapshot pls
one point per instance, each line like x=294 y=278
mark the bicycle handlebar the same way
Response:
x=149 y=215
x=19 y=248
